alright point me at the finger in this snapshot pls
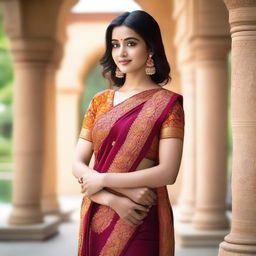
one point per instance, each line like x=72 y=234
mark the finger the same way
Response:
x=141 y=208
x=149 y=200
x=152 y=194
x=128 y=222
x=139 y=216
x=134 y=221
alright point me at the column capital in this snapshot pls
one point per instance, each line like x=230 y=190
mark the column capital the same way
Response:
x=35 y=50
x=210 y=48
x=234 y=4
x=242 y=17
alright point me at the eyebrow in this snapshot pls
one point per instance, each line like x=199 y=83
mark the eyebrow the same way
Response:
x=128 y=38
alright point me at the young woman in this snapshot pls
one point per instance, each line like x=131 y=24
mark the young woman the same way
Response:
x=130 y=147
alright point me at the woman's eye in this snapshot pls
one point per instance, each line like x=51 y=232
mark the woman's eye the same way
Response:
x=114 y=45
x=131 y=44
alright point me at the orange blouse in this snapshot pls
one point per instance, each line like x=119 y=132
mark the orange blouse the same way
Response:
x=172 y=127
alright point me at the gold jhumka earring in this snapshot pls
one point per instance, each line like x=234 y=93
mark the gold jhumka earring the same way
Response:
x=150 y=67
x=118 y=73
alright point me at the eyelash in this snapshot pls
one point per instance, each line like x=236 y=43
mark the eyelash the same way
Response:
x=114 y=45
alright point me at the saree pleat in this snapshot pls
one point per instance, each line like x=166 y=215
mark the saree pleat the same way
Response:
x=121 y=138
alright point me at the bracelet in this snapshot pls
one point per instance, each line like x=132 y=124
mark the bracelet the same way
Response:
x=81 y=180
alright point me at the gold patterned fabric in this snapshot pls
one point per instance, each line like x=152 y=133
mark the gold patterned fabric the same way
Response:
x=102 y=102
x=102 y=231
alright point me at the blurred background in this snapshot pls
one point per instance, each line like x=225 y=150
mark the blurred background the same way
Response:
x=49 y=71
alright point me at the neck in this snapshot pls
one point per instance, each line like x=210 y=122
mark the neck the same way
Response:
x=137 y=81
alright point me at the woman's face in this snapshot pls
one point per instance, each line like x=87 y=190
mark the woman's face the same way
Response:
x=129 y=50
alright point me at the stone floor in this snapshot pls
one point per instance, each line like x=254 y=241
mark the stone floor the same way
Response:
x=65 y=242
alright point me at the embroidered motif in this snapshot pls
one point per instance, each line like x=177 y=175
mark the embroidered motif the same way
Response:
x=175 y=117
x=86 y=203
x=139 y=132
x=102 y=218
x=118 y=239
x=173 y=125
x=103 y=125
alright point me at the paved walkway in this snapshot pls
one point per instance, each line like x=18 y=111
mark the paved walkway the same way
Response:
x=65 y=242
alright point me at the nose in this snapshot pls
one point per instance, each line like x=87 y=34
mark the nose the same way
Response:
x=122 y=51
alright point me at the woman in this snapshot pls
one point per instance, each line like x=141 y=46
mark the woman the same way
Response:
x=140 y=126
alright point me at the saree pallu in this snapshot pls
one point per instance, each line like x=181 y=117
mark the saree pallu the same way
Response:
x=121 y=138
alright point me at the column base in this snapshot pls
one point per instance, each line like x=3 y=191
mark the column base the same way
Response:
x=228 y=249
x=187 y=236
x=66 y=215
x=40 y=231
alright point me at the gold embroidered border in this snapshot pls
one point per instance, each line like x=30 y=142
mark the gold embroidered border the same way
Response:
x=118 y=239
x=86 y=134
x=105 y=122
x=172 y=132
x=86 y=202
x=102 y=219
x=139 y=131
x=166 y=226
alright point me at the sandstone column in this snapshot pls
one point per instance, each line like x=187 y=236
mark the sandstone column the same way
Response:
x=242 y=238
x=49 y=201
x=187 y=197
x=31 y=57
x=211 y=133
x=34 y=35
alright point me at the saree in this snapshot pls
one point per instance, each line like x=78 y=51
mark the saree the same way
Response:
x=121 y=138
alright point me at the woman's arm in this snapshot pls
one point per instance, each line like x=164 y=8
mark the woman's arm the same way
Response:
x=170 y=153
x=82 y=156
x=131 y=212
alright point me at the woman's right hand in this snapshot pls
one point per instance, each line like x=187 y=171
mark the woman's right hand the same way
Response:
x=130 y=212
x=143 y=195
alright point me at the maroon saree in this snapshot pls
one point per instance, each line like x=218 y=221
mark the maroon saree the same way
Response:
x=121 y=138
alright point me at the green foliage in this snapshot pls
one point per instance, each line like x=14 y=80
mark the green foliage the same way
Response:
x=93 y=84
x=6 y=94
x=4 y=42
x=6 y=68
x=5 y=191
x=6 y=122
x=5 y=149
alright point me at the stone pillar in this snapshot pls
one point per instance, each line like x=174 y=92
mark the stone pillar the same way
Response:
x=49 y=201
x=187 y=197
x=31 y=58
x=241 y=240
x=33 y=47
x=211 y=133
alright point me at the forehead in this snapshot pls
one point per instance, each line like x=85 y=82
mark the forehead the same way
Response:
x=122 y=32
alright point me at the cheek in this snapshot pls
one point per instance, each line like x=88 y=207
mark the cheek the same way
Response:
x=114 y=55
x=141 y=55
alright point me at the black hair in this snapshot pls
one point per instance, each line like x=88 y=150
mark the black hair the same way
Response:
x=147 y=27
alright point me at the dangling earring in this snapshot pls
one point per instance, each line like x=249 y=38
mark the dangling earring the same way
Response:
x=150 y=68
x=119 y=74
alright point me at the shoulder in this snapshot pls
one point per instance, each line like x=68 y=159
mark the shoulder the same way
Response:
x=101 y=97
x=102 y=93
x=170 y=93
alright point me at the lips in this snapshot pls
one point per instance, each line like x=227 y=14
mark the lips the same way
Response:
x=124 y=62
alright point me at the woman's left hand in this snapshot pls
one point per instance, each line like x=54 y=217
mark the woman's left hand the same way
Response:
x=92 y=183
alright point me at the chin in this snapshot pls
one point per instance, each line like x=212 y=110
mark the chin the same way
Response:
x=129 y=70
